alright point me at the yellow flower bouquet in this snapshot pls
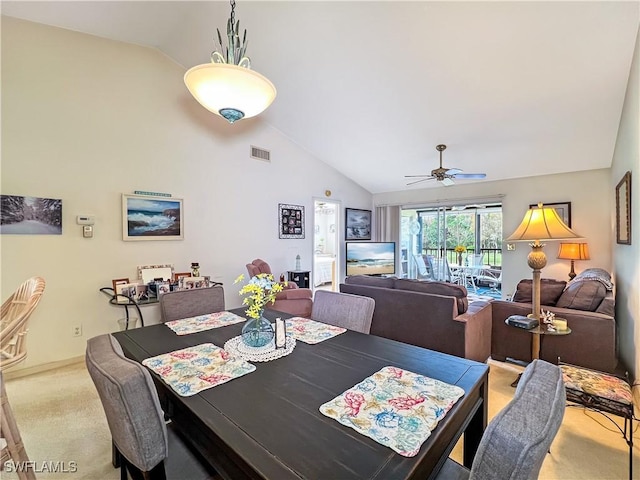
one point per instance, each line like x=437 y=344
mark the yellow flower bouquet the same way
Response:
x=460 y=249
x=261 y=291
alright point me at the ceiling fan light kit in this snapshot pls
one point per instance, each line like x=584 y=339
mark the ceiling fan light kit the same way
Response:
x=445 y=175
x=227 y=86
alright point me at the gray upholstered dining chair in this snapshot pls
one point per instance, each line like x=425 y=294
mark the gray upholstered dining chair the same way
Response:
x=145 y=445
x=191 y=303
x=518 y=438
x=353 y=312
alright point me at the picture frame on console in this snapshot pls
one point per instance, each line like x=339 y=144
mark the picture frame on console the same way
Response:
x=623 y=210
x=357 y=224
x=563 y=209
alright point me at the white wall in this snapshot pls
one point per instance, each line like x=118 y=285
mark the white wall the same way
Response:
x=588 y=192
x=627 y=257
x=86 y=119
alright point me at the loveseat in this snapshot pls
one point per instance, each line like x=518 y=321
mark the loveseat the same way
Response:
x=429 y=314
x=586 y=302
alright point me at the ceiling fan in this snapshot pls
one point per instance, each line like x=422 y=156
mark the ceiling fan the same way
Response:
x=445 y=175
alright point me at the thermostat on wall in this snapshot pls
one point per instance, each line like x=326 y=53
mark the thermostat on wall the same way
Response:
x=85 y=219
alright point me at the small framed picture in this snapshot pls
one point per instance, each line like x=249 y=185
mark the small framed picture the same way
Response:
x=118 y=281
x=193 y=282
x=127 y=290
x=142 y=293
x=163 y=287
x=178 y=276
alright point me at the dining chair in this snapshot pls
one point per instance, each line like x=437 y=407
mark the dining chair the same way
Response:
x=353 y=312
x=11 y=446
x=14 y=317
x=146 y=446
x=516 y=441
x=191 y=303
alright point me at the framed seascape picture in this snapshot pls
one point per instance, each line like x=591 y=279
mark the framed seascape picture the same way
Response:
x=357 y=224
x=152 y=218
x=623 y=210
x=30 y=215
x=563 y=209
x=290 y=221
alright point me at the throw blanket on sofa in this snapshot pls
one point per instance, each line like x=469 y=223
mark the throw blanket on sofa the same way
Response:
x=597 y=274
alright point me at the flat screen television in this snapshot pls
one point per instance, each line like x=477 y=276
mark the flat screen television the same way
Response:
x=371 y=258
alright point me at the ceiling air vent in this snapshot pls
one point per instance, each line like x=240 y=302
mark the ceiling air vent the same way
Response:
x=260 y=154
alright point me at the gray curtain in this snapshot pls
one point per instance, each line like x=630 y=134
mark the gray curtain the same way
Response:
x=387 y=228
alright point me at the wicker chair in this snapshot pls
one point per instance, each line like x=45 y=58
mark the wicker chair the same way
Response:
x=11 y=444
x=15 y=314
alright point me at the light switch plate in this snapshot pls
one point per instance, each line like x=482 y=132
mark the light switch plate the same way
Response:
x=511 y=247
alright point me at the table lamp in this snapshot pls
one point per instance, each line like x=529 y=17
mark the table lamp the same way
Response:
x=573 y=251
x=540 y=223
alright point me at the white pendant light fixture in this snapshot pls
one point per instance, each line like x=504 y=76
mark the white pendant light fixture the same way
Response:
x=227 y=86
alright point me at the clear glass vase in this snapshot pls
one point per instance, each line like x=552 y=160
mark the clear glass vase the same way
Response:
x=257 y=332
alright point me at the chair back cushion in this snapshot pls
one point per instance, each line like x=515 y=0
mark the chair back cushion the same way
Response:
x=517 y=439
x=130 y=403
x=258 y=266
x=353 y=312
x=191 y=303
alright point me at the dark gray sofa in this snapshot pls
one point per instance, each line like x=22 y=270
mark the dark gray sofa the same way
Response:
x=429 y=314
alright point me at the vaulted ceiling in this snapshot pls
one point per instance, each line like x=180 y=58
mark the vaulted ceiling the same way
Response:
x=514 y=89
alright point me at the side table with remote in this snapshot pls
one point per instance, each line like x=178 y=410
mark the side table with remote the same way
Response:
x=537 y=333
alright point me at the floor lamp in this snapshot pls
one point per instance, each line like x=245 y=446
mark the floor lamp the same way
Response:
x=540 y=223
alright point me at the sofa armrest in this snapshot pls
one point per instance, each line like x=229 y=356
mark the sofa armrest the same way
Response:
x=477 y=337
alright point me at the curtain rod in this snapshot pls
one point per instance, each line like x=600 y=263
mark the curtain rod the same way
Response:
x=448 y=201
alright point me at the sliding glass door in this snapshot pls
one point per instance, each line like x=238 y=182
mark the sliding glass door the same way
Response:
x=446 y=236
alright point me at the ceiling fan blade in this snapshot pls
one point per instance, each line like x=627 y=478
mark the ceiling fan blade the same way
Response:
x=470 y=175
x=421 y=180
x=415 y=176
x=446 y=181
x=453 y=171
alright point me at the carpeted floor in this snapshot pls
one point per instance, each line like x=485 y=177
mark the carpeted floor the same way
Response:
x=61 y=420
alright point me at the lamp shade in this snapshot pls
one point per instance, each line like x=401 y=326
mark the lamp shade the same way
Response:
x=542 y=223
x=222 y=88
x=573 y=251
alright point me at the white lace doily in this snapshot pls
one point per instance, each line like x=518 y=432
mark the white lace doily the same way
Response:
x=235 y=346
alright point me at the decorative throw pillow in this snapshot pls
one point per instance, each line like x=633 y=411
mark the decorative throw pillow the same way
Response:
x=437 y=288
x=550 y=291
x=585 y=295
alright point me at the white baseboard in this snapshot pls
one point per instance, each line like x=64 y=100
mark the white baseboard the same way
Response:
x=23 y=372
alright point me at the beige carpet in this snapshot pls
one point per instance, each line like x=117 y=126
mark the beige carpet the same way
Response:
x=61 y=419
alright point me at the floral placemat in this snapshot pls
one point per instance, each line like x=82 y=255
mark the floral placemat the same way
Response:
x=184 y=326
x=394 y=407
x=191 y=370
x=310 y=331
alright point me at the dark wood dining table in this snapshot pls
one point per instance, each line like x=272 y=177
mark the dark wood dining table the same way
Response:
x=267 y=424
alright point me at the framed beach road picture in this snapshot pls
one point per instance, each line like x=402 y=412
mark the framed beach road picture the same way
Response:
x=152 y=218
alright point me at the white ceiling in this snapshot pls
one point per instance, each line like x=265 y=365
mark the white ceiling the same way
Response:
x=513 y=88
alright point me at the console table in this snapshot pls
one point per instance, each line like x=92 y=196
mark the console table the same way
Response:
x=299 y=277
x=126 y=302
